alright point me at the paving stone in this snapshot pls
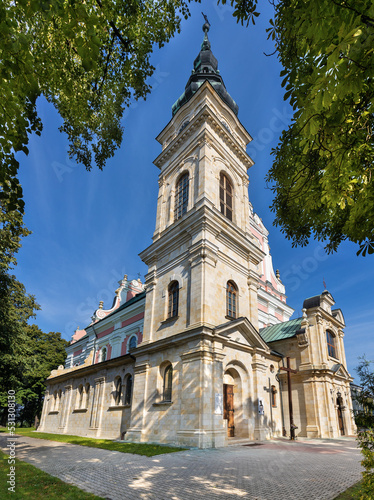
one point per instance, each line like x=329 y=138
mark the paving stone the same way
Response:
x=314 y=469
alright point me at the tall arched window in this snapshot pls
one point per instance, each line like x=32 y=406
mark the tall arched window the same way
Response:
x=331 y=344
x=173 y=299
x=128 y=389
x=168 y=384
x=103 y=354
x=118 y=390
x=80 y=397
x=133 y=342
x=87 y=395
x=59 y=397
x=181 y=196
x=225 y=196
x=55 y=399
x=231 y=300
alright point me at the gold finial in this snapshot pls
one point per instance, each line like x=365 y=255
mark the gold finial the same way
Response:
x=101 y=303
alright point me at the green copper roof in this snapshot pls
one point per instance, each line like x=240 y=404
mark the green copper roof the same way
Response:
x=281 y=331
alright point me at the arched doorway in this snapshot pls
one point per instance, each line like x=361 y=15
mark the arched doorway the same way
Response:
x=340 y=407
x=232 y=403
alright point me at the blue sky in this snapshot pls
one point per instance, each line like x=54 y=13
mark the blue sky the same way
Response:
x=89 y=227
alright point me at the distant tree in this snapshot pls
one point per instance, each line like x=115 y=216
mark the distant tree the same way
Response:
x=16 y=308
x=47 y=352
x=27 y=355
x=364 y=418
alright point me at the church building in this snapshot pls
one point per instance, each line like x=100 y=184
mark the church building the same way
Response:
x=204 y=351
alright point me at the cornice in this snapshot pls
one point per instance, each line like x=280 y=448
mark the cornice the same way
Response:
x=88 y=370
x=206 y=91
x=205 y=115
x=195 y=220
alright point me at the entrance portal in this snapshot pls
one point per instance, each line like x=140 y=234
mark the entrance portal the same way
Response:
x=340 y=420
x=228 y=408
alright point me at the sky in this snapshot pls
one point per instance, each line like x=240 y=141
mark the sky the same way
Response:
x=89 y=227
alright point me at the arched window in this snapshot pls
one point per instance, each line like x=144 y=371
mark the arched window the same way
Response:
x=181 y=196
x=331 y=344
x=133 y=342
x=231 y=300
x=128 y=389
x=55 y=404
x=80 y=397
x=168 y=383
x=118 y=390
x=87 y=395
x=173 y=299
x=103 y=354
x=273 y=396
x=225 y=196
x=59 y=397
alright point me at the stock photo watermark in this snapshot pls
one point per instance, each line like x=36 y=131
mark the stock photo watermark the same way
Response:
x=11 y=441
x=300 y=272
x=278 y=122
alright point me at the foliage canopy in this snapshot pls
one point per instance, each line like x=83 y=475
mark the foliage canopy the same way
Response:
x=322 y=174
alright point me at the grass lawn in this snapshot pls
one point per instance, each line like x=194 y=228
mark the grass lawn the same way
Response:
x=149 y=450
x=352 y=493
x=33 y=483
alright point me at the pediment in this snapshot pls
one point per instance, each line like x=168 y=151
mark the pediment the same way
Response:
x=340 y=371
x=241 y=330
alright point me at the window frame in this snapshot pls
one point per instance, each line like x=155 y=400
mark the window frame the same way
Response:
x=226 y=191
x=167 y=386
x=117 y=391
x=232 y=300
x=80 y=394
x=182 y=192
x=87 y=388
x=128 y=389
x=173 y=299
x=331 y=346
x=129 y=343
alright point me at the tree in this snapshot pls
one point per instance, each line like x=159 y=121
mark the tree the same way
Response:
x=16 y=308
x=322 y=174
x=86 y=58
x=364 y=418
x=47 y=352
x=90 y=58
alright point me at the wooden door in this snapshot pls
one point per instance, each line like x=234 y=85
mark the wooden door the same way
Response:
x=228 y=408
x=340 y=420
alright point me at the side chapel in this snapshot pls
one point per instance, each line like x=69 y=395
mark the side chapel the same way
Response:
x=195 y=355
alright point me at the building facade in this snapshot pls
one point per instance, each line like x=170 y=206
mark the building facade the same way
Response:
x=193 y=356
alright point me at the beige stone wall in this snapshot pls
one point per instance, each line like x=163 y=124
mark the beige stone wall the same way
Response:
x=97 y=417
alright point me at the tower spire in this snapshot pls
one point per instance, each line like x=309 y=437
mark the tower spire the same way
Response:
x=205 y=67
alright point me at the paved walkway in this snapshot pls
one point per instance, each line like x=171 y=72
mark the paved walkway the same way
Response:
x=279 y=470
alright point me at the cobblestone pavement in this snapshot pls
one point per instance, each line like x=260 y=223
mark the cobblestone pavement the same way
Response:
x=280 y=470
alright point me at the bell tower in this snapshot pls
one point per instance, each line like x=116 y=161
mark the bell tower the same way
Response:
x=202 y=244
x=203 y=272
